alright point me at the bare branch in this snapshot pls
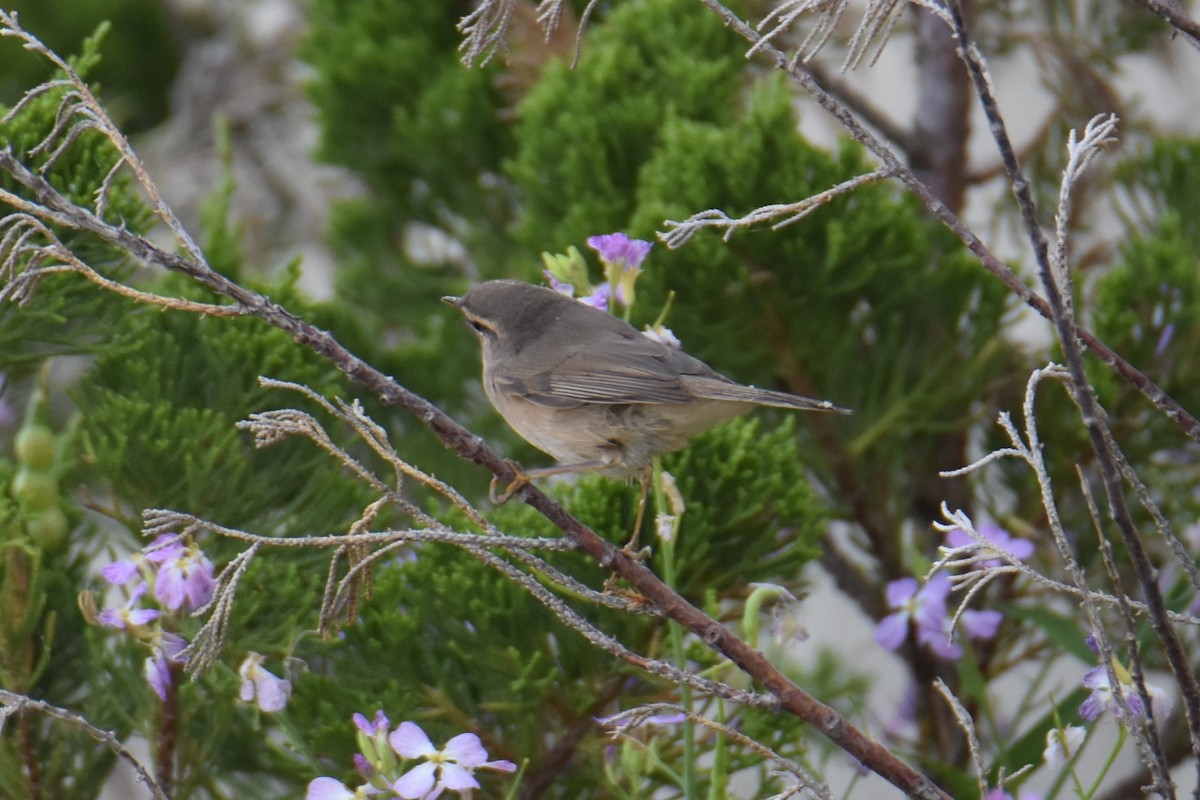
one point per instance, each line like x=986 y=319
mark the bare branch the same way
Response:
x=12 y=704
x=678 y=233
x=484 y=31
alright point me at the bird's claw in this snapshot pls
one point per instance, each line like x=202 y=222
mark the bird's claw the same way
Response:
x=518 y=483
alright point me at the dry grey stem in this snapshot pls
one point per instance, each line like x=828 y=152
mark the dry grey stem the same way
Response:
x=623 y=723
x=679 y=233
x=779 y=22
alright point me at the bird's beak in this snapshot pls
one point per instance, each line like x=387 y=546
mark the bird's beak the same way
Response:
x=452 y=300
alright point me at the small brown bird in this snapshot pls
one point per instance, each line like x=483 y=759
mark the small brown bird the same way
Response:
x=590 y=389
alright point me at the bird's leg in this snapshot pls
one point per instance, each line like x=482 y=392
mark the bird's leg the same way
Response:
x=644 y=490
x=524 y=477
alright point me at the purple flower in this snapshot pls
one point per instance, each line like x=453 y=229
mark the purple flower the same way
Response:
x=599 y=298
x=1020 y=549
x=185 y=577
x=622 y=259
x=269 y=692
x=165 y=546
x=619 y=249
x=373 y=741
x=449 y=768
x=1164 y=338
x=166 y=649
x=170 y=645
x=363 y=766
x=7 y=414
x=1104 y=697
x=129 y=617
x=562 y=287
x=924 y=606
x=374 y=727
x=158 y=674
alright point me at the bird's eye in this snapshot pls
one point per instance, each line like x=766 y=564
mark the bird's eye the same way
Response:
x=478 y=326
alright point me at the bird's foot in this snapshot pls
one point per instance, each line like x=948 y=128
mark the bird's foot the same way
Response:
x=518 y=483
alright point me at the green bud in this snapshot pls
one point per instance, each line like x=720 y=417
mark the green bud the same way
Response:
x=48 y=528
x=35 y=445
x=37 y=490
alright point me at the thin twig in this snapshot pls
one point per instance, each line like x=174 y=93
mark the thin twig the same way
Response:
x=623 y=722
x=1144 y=730
x=678 y=233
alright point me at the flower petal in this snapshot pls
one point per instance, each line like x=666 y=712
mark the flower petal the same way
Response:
x=409 y=741
x=272 y=692
x=418 y=781
x=119 y=572
x=465 y=749
x=327 y=789
x=457 y=779
x=891 y=630
x=981 y=624
x=900 y=592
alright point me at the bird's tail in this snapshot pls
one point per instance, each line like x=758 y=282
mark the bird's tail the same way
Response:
x=713 y=389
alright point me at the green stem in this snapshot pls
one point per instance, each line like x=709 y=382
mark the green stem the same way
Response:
x=675 y=633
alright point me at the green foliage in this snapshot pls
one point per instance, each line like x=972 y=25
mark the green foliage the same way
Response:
x=751 y=515
x=421 y=131
x=159 y=410
x=139 y=62
x=864 y=301
x=1148 y=309
x=584 y=134
x=46 y=649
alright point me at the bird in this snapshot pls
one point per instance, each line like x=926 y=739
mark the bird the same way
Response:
x=589 y=389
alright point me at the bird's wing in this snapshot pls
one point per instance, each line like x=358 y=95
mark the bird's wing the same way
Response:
x=629 y=369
